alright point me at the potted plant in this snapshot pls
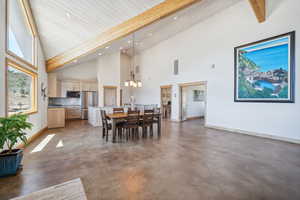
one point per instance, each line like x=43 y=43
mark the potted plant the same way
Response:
x=11 y=131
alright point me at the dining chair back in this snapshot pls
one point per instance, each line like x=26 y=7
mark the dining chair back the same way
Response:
x=133 y=112
x=132 y=120
x=149 y=111
x=134 y=109
x=148 y=119
x=105 y=125
x=118 y=110
x=132 y=124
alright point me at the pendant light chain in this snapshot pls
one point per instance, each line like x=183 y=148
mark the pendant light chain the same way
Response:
x=132 y=82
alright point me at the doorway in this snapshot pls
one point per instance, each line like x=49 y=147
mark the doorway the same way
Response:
x=166 y=101
x=193 y=101
x=110 y=95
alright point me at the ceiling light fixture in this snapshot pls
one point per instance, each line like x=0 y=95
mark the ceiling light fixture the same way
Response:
x=107 y=47
x=175 y=18
x=100 y=54
x=68 y=15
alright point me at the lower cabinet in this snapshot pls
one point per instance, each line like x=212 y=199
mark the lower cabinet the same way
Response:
x=56 y=117
x=73 y=113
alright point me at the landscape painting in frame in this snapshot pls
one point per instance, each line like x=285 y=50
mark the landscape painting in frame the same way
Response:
x=264 y=70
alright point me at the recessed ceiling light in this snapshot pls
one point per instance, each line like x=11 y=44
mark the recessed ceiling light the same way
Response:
x=107 y=47
x=68 y=15
x=175 y=18
x=100 y=54
x=129 y=41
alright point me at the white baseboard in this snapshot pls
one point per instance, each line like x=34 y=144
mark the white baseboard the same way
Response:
x=273 y=137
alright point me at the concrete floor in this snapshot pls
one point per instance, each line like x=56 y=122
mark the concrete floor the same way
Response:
x=187 y=162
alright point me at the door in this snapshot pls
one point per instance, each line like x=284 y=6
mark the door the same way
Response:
x=166 y=100
x=110 y=96
x=193 y=101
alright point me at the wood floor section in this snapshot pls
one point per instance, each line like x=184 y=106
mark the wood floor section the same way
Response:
x=188 y=162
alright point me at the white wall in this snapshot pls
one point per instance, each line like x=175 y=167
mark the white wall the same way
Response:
x=82 y=71
x=212 y=42
x=39 y=119
x=108 y=74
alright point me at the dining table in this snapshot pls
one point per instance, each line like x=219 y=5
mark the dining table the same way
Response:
x=120 y=117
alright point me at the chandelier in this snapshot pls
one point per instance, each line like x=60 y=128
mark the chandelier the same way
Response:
x=132 y=82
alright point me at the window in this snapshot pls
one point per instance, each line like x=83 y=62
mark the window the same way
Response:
x=20 y=34
x=21 y=89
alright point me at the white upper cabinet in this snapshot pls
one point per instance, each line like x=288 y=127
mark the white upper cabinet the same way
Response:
x=88 y=86
x=59 y=88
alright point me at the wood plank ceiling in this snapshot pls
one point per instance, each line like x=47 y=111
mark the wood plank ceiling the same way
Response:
x=67 y=29
x=64 y=24
x=121 y=30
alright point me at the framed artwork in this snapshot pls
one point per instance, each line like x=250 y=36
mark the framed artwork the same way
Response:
x=264 y=71
x=198 y=95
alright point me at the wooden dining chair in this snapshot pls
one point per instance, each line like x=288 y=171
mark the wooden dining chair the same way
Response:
x=156 y=118
x=130 y=109
x=106 y=126
x=147 y=121
x=149 y=111
x=120 y=124
x=118 y=110
x=131 y=125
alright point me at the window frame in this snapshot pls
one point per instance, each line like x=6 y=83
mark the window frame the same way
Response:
x=34 y=75
x=31 y=26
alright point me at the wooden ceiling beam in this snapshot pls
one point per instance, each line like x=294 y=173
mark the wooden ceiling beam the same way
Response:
x=150 y=16
x=259 y=8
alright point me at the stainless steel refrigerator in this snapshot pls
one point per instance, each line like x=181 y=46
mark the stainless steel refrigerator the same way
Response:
x=87 y=99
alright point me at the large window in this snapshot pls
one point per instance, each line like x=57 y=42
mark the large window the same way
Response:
x=21 y=89
x=20 y=34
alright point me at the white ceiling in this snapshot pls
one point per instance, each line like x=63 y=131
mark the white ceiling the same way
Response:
x=152 y=34
x=64 y=24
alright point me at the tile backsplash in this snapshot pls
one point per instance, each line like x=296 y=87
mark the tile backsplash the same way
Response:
x=64 y=101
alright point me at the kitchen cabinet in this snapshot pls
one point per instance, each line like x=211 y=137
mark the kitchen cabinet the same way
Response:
x=94 y=86
x=52 y=85
x=59 y=88
x=69 y=86
x=94 y=116
x=73 y=113
x=88 y=86
x=56 y=117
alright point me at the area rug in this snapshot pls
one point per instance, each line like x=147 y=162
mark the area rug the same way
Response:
x=71 y=190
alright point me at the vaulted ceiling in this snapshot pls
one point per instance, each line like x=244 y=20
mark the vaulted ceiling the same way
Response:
x=67 y=24
x=64 y=24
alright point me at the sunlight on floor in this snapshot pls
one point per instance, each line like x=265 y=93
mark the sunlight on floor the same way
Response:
x=60 y=144
x=43 y=143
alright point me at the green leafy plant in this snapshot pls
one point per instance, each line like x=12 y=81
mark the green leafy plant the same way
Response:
x=12 y=129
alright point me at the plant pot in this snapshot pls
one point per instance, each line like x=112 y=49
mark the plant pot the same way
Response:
x=10 y=162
